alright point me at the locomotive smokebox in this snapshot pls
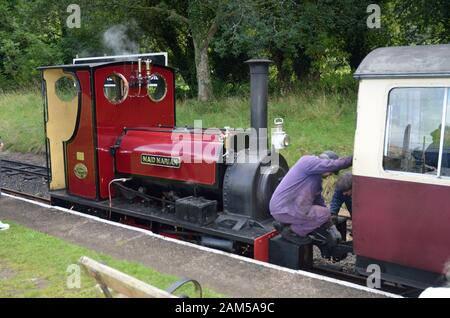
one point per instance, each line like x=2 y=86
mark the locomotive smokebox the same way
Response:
x=259 y=70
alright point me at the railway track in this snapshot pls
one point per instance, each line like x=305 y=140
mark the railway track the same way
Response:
x=329 y=271
x=28 y=171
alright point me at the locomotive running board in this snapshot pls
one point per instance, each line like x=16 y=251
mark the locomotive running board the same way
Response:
x=256 y=236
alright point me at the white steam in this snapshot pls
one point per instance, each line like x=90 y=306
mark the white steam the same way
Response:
x=116 y=39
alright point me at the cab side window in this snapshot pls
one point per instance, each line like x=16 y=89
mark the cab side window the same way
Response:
x=417 y=121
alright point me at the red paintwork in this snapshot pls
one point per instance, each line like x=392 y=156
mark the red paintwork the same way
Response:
x=132 y=222
x=133 y=112
x=261 y=246
x=82 y=141
x=402 y=222
x=170 y=235
x=199 y=154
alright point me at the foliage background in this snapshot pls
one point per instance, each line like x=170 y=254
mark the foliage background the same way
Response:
x=319 y=41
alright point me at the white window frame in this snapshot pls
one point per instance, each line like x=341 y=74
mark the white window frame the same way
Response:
x=443 y=126
x=442 y=135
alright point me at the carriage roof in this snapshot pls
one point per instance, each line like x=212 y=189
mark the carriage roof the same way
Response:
x=406 y=61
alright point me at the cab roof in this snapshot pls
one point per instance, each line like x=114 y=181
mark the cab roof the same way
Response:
x=69 y=67
x=406 y=61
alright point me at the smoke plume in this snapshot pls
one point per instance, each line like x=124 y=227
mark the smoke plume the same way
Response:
x=117 y=40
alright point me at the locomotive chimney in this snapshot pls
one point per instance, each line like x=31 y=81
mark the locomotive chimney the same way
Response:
x=259 y=69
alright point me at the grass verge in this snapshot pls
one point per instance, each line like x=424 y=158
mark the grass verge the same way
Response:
x=34 y=264
x=22 y=121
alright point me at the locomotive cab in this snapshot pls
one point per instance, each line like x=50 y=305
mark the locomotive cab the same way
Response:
x=401 y=168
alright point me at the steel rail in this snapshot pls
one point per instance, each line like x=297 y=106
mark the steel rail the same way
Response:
x=401 y=290
x=24 y=168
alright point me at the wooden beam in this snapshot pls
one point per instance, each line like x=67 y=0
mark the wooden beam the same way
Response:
x=120 y=282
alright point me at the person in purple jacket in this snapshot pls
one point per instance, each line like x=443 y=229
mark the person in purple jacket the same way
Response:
x=297 y=202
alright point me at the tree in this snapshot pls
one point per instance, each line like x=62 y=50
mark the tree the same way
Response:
x=266 y=29
x=184 y=28
x=417 y=22
x=202 y=19
x=27 y=40
x=301 y=36
x=306 y=39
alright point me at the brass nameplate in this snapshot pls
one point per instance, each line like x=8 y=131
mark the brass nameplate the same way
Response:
x=161 y=161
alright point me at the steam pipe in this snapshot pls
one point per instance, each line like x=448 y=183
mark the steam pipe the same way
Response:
x=109 y=191
x=139 y=75
x=259 y=70
x=147 y=66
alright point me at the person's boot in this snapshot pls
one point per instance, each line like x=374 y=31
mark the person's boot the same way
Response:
x=326 y=238
x=279 y=226
x=289 y=235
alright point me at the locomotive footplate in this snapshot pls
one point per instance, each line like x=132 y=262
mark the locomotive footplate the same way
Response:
x=227 y=227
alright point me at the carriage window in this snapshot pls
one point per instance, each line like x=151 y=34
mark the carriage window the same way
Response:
x=157 y=88
x=413 y=131
x=115 y=88
x=445 y=166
